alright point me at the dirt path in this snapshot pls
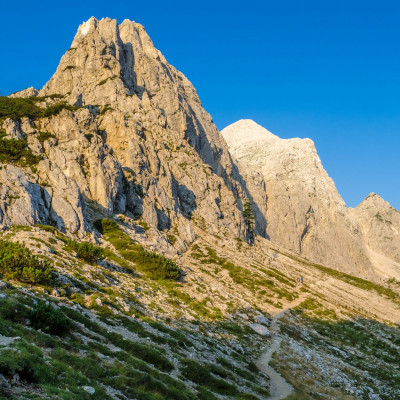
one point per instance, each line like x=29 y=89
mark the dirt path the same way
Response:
x=279 y=388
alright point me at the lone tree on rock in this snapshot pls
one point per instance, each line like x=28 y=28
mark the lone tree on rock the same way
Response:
x=248 y=215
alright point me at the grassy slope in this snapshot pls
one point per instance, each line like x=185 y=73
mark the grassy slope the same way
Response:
x=114 y=353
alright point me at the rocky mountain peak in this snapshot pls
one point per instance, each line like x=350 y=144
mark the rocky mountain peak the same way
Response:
x=374 y=200
x=137 y=141
x=295 y=197
x=380 y=226
x=245 y=131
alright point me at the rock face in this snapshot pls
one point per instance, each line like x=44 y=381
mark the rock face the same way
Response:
x=140 y=143
x=299 y=201
x=380 y=226
x=24 y=202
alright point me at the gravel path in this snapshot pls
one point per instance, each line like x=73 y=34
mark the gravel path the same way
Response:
x=279 y=388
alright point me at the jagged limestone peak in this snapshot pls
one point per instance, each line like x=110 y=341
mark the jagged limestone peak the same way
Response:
x=374 y=200
x=150 y=115
x=295 y=197
x=246 y=130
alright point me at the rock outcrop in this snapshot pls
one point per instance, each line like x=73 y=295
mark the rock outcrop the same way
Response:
x=299 y=201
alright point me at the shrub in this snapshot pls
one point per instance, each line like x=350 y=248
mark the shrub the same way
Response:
x=17 y=107
x=18 y=262
x=16 y=151
x=48 y=319
x=43 y=136
x=156 y=265
x=86 y=250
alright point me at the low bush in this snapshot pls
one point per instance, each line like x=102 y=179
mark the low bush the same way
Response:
x=43 y=136
x=86 y=250
x=16 y=151
x=18 y=262
x=155 y=265
x=16 y=108
x=48 y=319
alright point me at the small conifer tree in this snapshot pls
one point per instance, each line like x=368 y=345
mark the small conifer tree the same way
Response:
x=248 y=215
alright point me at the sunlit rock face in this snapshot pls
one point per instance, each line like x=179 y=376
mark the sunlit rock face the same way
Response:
x=299 y=202
x=140 y=143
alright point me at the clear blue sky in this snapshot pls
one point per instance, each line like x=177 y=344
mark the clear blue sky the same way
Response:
x=328 y=70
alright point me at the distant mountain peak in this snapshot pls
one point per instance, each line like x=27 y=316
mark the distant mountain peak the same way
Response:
x=246 y=130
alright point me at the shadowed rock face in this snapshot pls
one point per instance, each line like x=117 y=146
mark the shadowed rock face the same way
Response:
x=142 y=144
x=300 y=203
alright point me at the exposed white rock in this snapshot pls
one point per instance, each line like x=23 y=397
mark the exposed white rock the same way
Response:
x=29 y=92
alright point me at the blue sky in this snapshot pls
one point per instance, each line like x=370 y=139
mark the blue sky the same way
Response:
x=328 y=70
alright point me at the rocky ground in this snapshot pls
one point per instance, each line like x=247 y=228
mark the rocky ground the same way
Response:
x=221 y=316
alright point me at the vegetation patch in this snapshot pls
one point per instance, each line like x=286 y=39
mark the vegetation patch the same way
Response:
x=352 y=280
x=200 y=374
x=153 y=264
x=17 y=262
x=16 y=151
x=43 y=136
x=17 y=107
x=85 y=250
x=48 y=319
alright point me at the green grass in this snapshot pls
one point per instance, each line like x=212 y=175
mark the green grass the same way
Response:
x=243 y=276
x=94 y=355
x=353 y=280
x=200 y=374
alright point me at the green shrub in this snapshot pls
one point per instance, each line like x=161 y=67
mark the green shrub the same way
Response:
x=172 y=239
x=155 y=265
x=48 y=319
x=43 y=136
x=19 y=107
x=57 y=108
x=105 y=109
x=16 y=151
x=16 y=108
x=17 y=262
x=86 y=250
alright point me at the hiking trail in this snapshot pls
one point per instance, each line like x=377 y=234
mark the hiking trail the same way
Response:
x=279 y=388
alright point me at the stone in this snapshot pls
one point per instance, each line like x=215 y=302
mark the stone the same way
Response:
x=260 y=329
x=156 y=152
x=89 y=389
